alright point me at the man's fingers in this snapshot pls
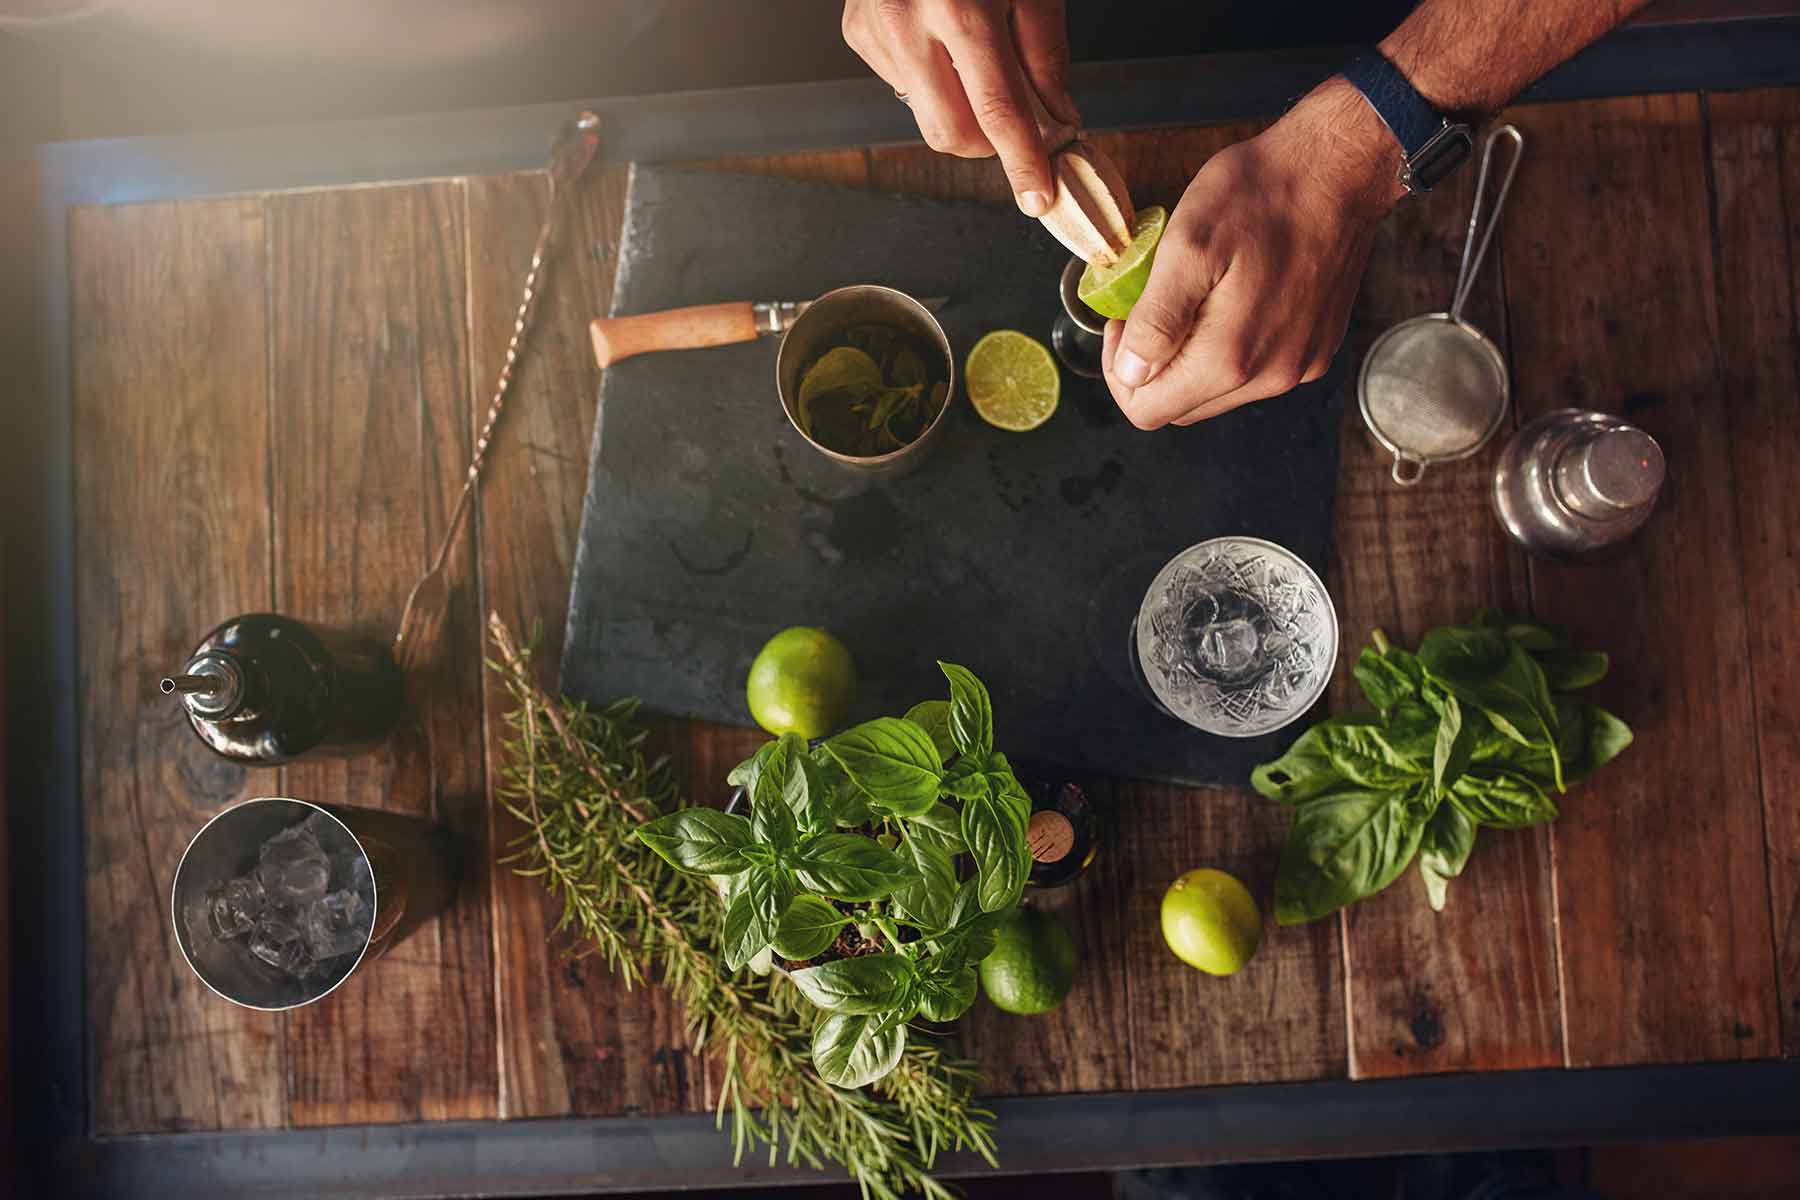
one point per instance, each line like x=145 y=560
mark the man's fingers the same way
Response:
x=1180 y=281
x=982 y=51
x=941 y=108
x=1041 y=32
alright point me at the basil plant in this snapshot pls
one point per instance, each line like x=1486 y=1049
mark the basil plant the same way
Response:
x=846 y=868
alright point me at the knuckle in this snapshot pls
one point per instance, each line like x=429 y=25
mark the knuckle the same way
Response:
x=1284 y=377
x=1156 y=319
x=1315 y=370
x=893 y=17
x=1140 y=417
x=1232 y=370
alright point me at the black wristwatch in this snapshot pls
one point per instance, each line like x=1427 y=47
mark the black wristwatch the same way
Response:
x=1433 y=144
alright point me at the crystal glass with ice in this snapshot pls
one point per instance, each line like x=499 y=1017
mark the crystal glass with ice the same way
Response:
x=1236 y=636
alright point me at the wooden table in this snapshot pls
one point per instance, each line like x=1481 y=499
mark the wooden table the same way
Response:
x=274 y=397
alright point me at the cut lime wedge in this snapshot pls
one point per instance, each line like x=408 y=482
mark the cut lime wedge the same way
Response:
x=1111 y=291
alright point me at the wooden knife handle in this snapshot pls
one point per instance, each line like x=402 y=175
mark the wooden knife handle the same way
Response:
x=617 y=338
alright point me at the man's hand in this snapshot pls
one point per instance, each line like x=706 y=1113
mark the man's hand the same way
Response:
x=969 y=70
x=1253 y=280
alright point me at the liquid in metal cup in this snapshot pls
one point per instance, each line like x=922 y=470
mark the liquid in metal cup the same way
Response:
x=277 y=901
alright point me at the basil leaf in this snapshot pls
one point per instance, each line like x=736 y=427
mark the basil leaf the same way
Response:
x=1362 y=754
x=770 y=784
x=927 y=895
x=811 y=795
x=971 y=712
x=1012 y=793
x=847 y=867
x=1495 y=674
x=771 y=820
x=869 y=984
x=1501 y=799
x=744 y=773
x=1343 y=846
x=1604 y=737
x=702 y=840
x=974 y=933
x=948 y=998
x=1388 y=677
x=893 y=762
x=1571 y=670
x=769 y=890
x=1304 y=771
x=1536 y=637
x=1443 y=851
x=996 y=838
x=940 y=825
x=853 y=1051
x=933 y=716
x=968 y=787
x=1454 y=743
x=808 y=928
x=746 y=933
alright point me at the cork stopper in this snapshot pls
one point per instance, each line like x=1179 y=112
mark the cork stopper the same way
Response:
x=1050 y=835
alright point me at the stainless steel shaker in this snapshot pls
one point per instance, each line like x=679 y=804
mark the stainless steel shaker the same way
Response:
x=1573 y=483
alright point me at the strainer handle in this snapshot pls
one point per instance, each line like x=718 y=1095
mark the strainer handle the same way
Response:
x=1407 y=471
x=1465 y=276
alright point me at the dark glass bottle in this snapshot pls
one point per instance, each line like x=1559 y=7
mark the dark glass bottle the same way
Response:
x=1065 y=832
x=263 y=688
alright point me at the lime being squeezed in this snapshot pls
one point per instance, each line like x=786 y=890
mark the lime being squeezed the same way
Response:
x=1112 y=290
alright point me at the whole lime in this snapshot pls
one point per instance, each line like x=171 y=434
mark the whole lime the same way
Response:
x=1033 y=963
x=802 y=681
x=1210 y=921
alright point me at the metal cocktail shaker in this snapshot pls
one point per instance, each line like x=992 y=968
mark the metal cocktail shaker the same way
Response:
x=1573 y=483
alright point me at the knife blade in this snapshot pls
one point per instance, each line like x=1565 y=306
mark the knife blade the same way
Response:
x=701 y=325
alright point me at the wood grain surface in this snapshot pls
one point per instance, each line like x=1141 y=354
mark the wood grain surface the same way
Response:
x=275 y=399
x=173 y=535
x=369 y=368
x=1756 y=174
x=1661 y=877
x=1473 y=987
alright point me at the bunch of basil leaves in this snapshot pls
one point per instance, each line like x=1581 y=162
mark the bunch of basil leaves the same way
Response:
x=873 y=819
x=1477 y=730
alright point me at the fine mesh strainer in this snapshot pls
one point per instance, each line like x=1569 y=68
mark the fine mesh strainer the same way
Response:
x=1433 y=389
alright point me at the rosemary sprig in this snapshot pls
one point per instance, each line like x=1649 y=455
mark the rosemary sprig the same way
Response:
x=581 y=781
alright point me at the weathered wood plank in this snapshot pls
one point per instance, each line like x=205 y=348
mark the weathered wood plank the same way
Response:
x=1282 y=1016
x=169 y=329
x=573 y=1039
x=371 y=436
x=1474 y=987
x=1661 y=879
x=1756 y=174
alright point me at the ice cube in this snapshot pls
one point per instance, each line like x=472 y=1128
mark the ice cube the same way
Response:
x=279 y=942
x=232 y=909
x=292 y=867
x=337 y=923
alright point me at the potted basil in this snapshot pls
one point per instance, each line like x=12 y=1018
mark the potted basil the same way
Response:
x=845 y=875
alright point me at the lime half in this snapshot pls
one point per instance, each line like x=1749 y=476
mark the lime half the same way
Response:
x=1012 y=380
x=1111 y=291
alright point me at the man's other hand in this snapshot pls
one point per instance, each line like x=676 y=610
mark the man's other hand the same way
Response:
x=1251 y=290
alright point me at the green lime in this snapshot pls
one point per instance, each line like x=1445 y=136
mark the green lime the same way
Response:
x=802 y=681
x=1111 y=291
x=1012 y=380
x=1033 y=963
x=1210 y=921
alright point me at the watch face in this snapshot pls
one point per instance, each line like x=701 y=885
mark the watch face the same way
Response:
x=1448 y=149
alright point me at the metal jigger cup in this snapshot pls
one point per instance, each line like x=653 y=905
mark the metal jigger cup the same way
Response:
x=413 y=863
x=822 y=326
x=1079 y=332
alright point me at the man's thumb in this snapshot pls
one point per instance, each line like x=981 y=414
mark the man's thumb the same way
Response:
x=1158 y=325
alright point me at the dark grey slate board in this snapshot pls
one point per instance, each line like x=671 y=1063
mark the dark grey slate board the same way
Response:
x=709 y=524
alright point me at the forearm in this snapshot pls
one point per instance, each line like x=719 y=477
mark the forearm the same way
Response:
x=1473 y=56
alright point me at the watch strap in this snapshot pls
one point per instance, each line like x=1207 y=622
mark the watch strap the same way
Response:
x=1408 y=115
